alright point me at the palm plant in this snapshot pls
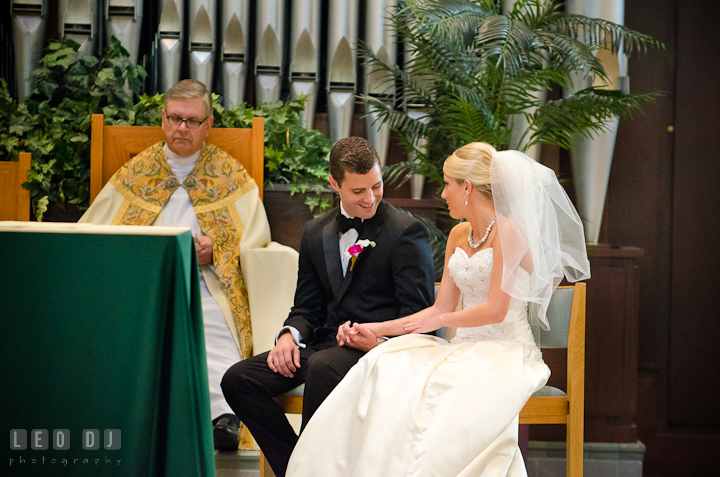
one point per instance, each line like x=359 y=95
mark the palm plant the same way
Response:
x=474 y=71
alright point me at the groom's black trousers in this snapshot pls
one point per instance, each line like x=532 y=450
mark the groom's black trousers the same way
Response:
x=250 y=385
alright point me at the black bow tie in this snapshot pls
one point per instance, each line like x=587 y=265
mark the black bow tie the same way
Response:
x=345 y=224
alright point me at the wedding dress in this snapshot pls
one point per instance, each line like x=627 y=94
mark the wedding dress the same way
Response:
x=420 y=406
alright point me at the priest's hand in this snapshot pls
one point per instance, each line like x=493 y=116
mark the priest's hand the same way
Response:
x=284 y=358
x=205 y=251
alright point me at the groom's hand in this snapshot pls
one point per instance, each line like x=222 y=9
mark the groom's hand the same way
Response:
x=284 y=358
x=356 y=336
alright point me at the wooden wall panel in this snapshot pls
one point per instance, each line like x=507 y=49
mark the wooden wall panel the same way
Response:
x=640 y=191
x=664 y=198
x=695 y=326
x=610 y=349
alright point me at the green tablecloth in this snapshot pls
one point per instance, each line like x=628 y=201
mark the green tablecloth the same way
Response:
x=103 y=331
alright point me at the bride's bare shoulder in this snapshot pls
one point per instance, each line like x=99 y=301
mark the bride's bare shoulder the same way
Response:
x=458 y=234
x=509 y=228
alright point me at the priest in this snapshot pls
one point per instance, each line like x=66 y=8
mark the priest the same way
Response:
x=187 y=182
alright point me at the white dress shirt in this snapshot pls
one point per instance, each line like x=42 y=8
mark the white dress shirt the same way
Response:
x=347 y=240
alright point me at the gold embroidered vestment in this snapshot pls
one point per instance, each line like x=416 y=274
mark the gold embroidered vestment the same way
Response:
x=146 y=183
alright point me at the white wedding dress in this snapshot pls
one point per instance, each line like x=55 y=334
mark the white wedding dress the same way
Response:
x=418 y=406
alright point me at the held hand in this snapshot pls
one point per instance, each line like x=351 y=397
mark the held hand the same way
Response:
x=356 y=336
x=205 y=254
x=284 y=358
x=424 y=324
x=343 y=332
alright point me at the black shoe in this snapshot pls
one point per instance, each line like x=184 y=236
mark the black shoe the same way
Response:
x=225 y=433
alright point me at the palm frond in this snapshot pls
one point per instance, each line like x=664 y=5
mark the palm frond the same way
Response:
x=399 y=173
x=472 y=71
x=599 y=33
x=452 y=19
x=432 y=55
x=569 y=54
x=522 y=87
x=415 y=90
x=583 y=114
x=398 y=120
x=471 y=95
x=468 y=123
x=509 y=43
x=533 y=12
x=391 y=74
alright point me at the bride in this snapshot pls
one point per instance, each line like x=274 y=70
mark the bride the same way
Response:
x=418 y=406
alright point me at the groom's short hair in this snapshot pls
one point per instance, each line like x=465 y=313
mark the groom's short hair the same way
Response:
x=352 y=154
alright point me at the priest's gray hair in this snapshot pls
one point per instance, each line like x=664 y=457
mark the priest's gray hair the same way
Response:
x=190 y=89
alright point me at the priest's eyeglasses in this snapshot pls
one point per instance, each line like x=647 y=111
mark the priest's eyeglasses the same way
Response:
x=190 y=123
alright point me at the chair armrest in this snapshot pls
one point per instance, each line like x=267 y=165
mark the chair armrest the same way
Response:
x=271 y=278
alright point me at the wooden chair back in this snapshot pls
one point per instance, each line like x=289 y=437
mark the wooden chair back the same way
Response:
x=113 y=146
x=14 y=200
x=550 y=405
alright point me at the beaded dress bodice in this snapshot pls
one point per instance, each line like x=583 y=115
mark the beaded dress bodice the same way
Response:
x=472 y=276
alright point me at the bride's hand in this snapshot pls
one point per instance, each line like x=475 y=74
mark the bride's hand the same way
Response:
x=424 y=324
x=373 y=327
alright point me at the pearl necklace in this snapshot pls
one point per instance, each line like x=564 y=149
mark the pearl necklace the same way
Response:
x=482 y=240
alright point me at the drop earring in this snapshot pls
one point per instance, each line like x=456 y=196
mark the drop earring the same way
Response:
x=466 y=198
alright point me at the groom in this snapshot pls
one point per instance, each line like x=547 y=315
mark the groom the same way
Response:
x=392 y=276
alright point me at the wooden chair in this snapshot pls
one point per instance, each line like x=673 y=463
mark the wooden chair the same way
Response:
x=14 y=200
x=113 y=146
x=549 y=405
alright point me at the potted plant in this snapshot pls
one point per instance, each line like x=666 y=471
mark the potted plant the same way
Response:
x=8 y=108
x=296 y=158
x=296 y=165
x=475 y=71
x=53 y=123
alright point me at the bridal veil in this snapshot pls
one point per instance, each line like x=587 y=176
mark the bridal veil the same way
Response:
x=539 y=229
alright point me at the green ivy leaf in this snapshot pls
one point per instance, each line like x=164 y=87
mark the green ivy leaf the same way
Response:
x=312 y=202
x=40 y=207
x=54 y=124
x=106 y=74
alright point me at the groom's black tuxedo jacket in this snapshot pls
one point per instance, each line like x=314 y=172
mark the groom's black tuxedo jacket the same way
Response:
x=393 y=279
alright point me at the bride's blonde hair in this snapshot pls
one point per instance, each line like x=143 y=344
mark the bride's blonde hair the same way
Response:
x=471 y=162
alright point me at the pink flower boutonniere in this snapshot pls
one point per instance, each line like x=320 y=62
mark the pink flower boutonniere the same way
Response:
x=354 y=251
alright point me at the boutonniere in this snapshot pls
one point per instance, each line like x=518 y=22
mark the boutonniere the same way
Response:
x=354 y=251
